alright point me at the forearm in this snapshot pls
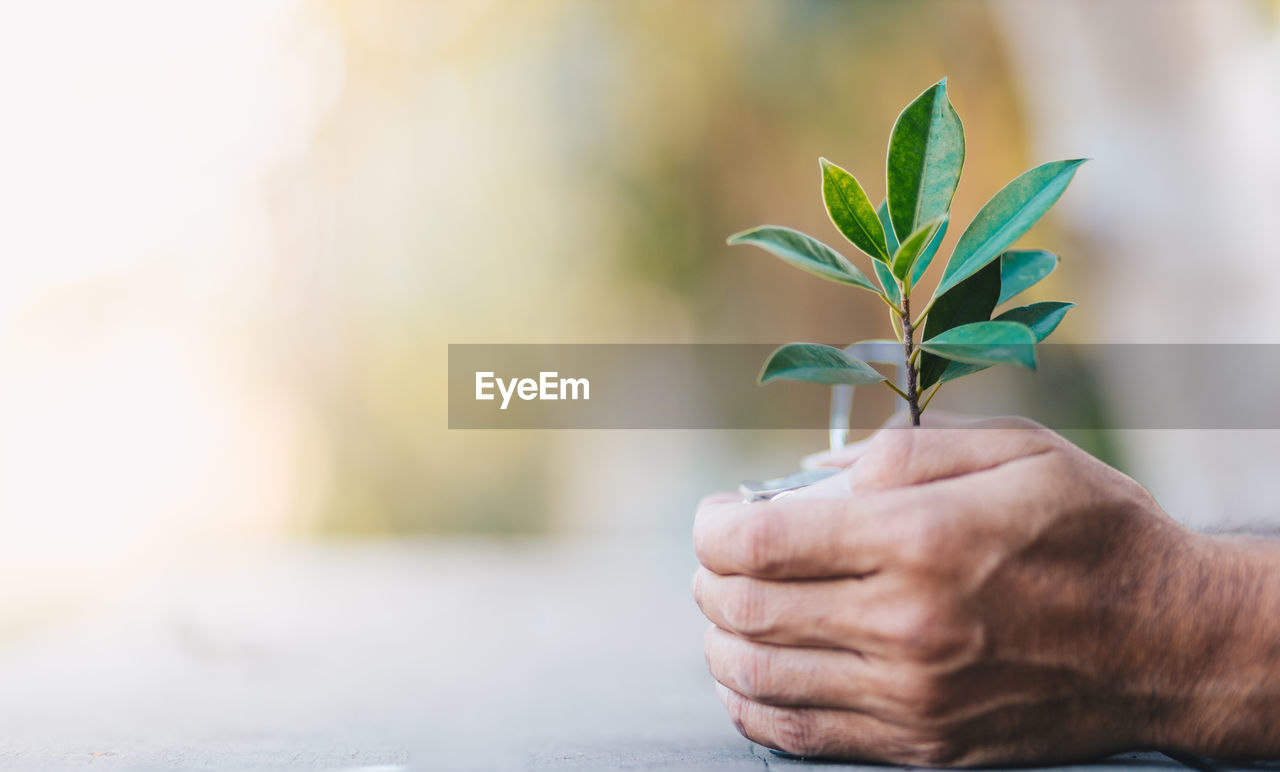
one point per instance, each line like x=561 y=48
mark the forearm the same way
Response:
x=1228 y=705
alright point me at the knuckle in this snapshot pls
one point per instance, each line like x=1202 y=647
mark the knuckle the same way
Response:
x=933 y=752
x=927 y=631
x=762 y=542
x=796 y=732
x=747 y=608
x=757 y=667
x=923 y=699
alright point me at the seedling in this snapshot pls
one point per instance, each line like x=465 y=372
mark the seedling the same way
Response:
x=959 y=335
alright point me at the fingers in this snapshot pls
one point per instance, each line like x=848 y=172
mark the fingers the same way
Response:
x=851 y=614
x=800 y=677
x=799 y=537
x=846 y=456
x=823 y=733
x=901 y=457
x=839 y=459
x=875 y=530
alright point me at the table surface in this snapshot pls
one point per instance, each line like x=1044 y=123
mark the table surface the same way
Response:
x=442 y=656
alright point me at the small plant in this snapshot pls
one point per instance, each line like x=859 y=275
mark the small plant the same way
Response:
x=958 y=334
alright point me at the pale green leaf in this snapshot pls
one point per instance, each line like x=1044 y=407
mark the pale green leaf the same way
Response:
x=851 y=211
x=816 y=363
x=805 y=252
x=926 y=154
x=1005 y=218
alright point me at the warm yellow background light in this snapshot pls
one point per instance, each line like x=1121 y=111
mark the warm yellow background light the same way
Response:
x=237 y=238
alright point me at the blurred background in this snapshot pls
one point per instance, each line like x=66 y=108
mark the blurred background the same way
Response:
x=240 y=235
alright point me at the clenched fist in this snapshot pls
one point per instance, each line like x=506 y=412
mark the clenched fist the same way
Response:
x=986 y=593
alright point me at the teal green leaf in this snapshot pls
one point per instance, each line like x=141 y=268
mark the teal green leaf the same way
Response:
x=913 y=245
x=890 y=238
x=805 y=252
x=1042 y=318
x=1022 y=268
x=851 y=211
x=926 y=257
x=972 y=301
x=1005 y=218
x=986 y=343
x=926 y=154
x=959 y=370
x=885 y=276
x=883 y=273
x=816 y=363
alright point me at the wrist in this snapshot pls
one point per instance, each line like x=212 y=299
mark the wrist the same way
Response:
x=1216 y=675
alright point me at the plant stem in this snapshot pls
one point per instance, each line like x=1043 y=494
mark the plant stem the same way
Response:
x=890 y=304
x=896 y=390
x=908 y=345
x=926 y=310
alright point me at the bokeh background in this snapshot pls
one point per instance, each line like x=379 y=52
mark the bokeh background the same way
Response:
x=240 y=235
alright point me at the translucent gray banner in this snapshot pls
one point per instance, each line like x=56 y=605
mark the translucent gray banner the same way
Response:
x=713 y=386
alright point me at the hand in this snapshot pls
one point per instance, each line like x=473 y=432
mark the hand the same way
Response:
x=981 y=595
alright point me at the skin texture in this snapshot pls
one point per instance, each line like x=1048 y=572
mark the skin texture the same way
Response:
x=980 y=593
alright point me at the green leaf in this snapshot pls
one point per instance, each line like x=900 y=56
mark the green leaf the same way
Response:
x=959 y=370
x=926 y=257
x=885 y=276
x=1042 y=318
x=1010 y=213
x=972 y=301
x=926 y=153
x=816 y=363
x=986 y=343
x=890 y=238
x=883 y=273
x=851 y=211
x=913 y=245
x=805 y=252
x=1022 y=268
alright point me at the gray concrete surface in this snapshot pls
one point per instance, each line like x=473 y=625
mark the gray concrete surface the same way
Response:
x=447 y=656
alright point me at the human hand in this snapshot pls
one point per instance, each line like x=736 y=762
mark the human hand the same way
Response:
x=978 y=595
